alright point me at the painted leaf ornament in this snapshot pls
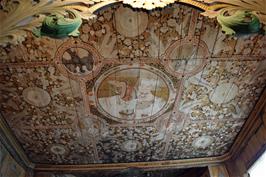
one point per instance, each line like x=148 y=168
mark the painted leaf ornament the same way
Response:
x=241 y=22
x=58 y=26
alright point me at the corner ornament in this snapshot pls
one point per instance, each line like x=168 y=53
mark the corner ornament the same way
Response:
x=237 y=16
x=62 y=18
x=58 y=26
x=53 y=18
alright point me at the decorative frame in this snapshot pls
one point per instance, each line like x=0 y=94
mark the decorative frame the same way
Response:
x=148 y=68
x=186 y=41
x=63 y=69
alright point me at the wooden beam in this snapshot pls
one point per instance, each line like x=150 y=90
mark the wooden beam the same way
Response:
x=250 y=127
x=168 y=164
x=218 y=171
x=8 y=139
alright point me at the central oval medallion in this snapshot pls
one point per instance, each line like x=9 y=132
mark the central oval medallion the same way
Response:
x=134 y=93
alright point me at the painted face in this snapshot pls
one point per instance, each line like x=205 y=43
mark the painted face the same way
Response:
x=145 y=89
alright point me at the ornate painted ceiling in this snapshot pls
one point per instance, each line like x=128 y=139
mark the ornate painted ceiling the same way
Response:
x=134 y=86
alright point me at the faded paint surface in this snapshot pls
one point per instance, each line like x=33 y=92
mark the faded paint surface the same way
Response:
x=176 y=88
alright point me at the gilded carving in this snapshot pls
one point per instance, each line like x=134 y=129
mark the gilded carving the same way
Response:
x=17 y=17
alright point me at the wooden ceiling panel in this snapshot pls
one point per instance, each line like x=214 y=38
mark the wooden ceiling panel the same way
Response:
x=135 y=86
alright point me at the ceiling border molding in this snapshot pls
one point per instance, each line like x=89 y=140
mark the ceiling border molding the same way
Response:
x=167 y=164
x=18 y=17
x=12 y=145
x=17 y=151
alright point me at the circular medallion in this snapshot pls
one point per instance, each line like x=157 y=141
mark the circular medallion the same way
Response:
x=78 y=60
x=223 y=93
x=36 y=96
x=130 y=23
x=202 y=142
x=133 y=93
x=186 y=57
x=131 y=146
x=58 y=149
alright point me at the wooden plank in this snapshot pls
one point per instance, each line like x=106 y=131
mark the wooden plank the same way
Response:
x=240 y=165
x=261 y=135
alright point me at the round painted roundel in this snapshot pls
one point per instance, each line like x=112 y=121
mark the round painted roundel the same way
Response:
x=202 y=142
x=36 y=96
x=133 y=93
x=77 y=60
x=186 y=57
x=130 y=23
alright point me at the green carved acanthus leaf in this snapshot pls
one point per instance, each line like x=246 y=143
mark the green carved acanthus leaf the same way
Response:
x=20 y=16
x=241 y=22
x=218 y=7
x=59 y=26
